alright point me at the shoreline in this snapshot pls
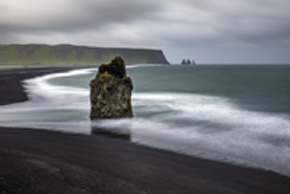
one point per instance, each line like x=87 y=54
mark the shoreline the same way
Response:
x=34 y=161
x=11 y=89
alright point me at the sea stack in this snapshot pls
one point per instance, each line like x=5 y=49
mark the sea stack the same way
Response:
x=110 y=91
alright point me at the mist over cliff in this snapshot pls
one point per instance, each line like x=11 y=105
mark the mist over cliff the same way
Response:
x=38 y=55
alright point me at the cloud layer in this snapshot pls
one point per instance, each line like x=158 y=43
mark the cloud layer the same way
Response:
x=241 y=31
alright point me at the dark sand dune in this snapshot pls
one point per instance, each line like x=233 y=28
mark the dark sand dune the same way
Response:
x=39 y=161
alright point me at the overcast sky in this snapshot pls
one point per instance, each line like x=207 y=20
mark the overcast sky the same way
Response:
x=209 y=31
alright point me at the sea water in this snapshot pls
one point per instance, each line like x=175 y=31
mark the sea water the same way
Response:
x=233 y=113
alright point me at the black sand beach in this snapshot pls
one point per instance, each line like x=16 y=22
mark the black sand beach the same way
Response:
x=39 y=161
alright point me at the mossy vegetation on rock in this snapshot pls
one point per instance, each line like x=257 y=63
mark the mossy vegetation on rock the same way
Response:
x=111 y=90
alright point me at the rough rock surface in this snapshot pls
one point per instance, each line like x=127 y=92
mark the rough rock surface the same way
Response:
x=110 y=93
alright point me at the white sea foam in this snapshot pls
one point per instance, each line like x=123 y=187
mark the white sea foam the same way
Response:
x=204 y=126
x=210 y=127
x=40 y=87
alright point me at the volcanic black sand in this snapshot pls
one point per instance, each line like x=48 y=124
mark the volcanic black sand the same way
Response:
x=39 y=161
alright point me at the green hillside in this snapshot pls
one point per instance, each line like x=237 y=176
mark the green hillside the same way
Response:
x=62 y=55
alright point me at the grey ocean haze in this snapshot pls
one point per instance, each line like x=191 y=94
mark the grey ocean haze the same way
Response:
x=209 y=31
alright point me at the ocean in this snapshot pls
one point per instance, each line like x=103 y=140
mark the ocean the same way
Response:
x=232 y=113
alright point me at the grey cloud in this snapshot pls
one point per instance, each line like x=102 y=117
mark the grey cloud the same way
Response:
x=234 y=21
x=77 y=14
x=173 y=25
x=258 y=21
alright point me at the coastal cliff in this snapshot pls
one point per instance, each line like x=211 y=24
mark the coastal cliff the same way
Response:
x=61 y=55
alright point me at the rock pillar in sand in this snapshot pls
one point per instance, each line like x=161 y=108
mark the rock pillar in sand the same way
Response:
x=110 y=92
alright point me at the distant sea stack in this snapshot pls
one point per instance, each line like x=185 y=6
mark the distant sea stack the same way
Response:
x=45 y=55
x=110 y=92
x=188 y=62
